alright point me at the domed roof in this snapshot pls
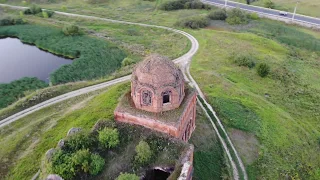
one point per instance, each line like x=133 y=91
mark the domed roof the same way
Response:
x=157 y=71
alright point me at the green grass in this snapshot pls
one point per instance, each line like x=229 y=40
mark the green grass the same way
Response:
x=12 y=91
x=282 y=107
x=29 y=138
x=209 y=160
x=306 y=7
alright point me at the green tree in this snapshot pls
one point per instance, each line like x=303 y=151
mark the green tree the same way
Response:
x=127 y=176
x=269 y=4
x=109 y=137
x=237 y=16
x=144 y=152
x=263 y=69
x=71 y=30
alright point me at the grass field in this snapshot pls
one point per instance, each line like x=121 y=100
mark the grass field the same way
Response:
x=209 y=158
x=277 y=115
x=306 y=7
x=29 y=138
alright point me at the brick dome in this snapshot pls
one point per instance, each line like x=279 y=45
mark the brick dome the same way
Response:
x=157 y=84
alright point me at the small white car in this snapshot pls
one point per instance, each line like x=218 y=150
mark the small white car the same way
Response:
x=283 y=13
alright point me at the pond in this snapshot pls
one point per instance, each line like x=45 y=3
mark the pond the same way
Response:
x=19 y=60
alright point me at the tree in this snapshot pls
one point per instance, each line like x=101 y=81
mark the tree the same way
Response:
x=127 y=176
x=237 y=16
x=109 y=137
x=144 y=152
x=263 y=69
x=269 y=4
x=71 y=30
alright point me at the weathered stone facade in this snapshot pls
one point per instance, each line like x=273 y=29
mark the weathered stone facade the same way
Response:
x=158 y=87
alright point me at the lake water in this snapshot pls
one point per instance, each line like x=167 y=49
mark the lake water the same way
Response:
x=19 y=60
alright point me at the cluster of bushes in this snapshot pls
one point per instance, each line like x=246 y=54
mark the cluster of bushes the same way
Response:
x=95 y=58
x=83 y=153
x=234 y=16
x=193 y=22
x=80 y=154
x=247 y=60
x=71 y=30
x=7 y=21
x=36 y=10
x=184 y=4
x=12 y=91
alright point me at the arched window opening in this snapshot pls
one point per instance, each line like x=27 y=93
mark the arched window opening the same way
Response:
x=146 y=98
x=166 y=97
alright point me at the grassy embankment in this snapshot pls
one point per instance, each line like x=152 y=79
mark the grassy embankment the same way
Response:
x=306 y=7
x=29 y=138
x=273 y=120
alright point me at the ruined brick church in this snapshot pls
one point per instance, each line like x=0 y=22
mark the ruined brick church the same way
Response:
x=159 y=99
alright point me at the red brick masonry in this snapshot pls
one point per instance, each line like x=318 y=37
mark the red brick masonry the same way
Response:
x=181 y=128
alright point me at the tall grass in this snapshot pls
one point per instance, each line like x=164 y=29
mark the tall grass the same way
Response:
x=12 y=91
x=94 y=58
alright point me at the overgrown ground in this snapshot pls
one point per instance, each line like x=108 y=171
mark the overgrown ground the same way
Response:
x=29 y=138
x=210 y=161
x=306 y=7
x=278 y=115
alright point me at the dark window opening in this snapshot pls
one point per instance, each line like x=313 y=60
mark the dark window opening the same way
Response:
x=166 y=98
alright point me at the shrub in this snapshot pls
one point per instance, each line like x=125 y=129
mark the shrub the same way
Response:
x=253 y=16
x=236 y=16
x=244 y=60
x=96 y=165
x=35 y=9
x=45 y=14
x=71 y=30
x=263 y=69
x=126 y=62
x=127 y=176
x=219 y=14
x=194 y=22
x=80 y=140
x=82 y=159
x=109 y=137
x=144 y=152
x=269 y=4
x=67 y=165
x=183 y=4
x=61 y=164
x=50 y=13
x=6 y=21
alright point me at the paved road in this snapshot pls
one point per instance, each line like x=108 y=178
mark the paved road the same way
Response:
x=272 y=12
x=183 y=62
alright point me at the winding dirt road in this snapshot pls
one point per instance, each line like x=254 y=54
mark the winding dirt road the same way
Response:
x=183 y=62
